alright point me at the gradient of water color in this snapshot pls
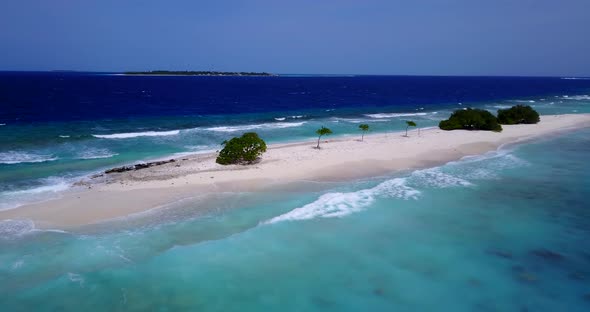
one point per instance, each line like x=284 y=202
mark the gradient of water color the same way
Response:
x=56 y=128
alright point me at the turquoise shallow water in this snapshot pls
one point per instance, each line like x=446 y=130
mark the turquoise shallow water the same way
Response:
x=504 y=231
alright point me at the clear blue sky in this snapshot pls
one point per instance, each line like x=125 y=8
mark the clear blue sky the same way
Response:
x=419 y=37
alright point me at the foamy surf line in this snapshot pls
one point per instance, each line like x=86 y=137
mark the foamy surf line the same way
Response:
x=332 y=205
x=458 y=173
x=95 y=153
x=136 y=134
x=10 y=228
x=15 y=157
x=291 y=117
x=276 y=125
x=14 y=199
x=393 y=115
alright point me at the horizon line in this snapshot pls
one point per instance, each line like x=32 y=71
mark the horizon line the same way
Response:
x=298 y=74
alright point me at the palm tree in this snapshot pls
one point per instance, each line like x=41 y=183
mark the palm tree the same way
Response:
x=364 y=128
x=409 y=123
x=321 y=132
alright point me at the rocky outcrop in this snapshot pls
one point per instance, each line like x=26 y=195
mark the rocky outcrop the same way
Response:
x=138 y=166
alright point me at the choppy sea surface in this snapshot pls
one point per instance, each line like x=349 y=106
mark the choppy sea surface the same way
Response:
x=505 y=231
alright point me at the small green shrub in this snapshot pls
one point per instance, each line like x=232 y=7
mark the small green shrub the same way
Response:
x=518 y=114
x=242 y=150
x=471 y=119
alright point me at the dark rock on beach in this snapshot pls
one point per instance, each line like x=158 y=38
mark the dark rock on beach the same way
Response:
x=138 y=166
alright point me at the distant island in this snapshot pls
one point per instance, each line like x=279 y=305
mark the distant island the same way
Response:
x=195 y=73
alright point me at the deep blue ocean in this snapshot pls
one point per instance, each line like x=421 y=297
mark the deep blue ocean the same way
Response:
x=504 y=231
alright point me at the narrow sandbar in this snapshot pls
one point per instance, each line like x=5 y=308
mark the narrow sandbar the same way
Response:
x=340 y=159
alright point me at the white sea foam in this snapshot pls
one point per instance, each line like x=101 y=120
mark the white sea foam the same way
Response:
x=2 y=124
x=96 y=153
x=289 y=117
x=502 y=106
x=329 y=205
x=50 y=188
x=15 y=157
x=524 y=101
x=76 y=278
x=185 y=154
x=396 y=188
x=454 y=174
x=576 y=78
x=136 y=134
x=58 y=187
x=198 y=147
x=64 y=136
x=356 y=120
x=333 y=205
x=435 y=177
x=394 y=115
x=274 y=125
x=15 y=228
x=11 y=228
x=496 y=160
x=486 y=166
x=577 y=97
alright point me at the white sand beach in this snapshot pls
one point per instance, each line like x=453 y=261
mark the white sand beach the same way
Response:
x=121 y=194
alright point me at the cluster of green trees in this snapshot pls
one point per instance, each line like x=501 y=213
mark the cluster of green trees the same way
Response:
x=471 y=119
x=480 y=119
x=248 y=148
x=519 y=114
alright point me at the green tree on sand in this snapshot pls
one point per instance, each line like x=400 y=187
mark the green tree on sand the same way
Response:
x=364 y=128
x=246 y=149
x=321 y=132
x=409 y=123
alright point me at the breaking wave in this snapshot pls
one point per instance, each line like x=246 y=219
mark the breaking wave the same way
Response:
x=356 y=120
x=49 y=189
x=457 y=174
x=394 y=115
x=14 y=157
x=332 y=205
x=96 y=153
x=577 y=97
x=10 y=228
x=276 y=125
x=136 y=134
x=435 y=177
